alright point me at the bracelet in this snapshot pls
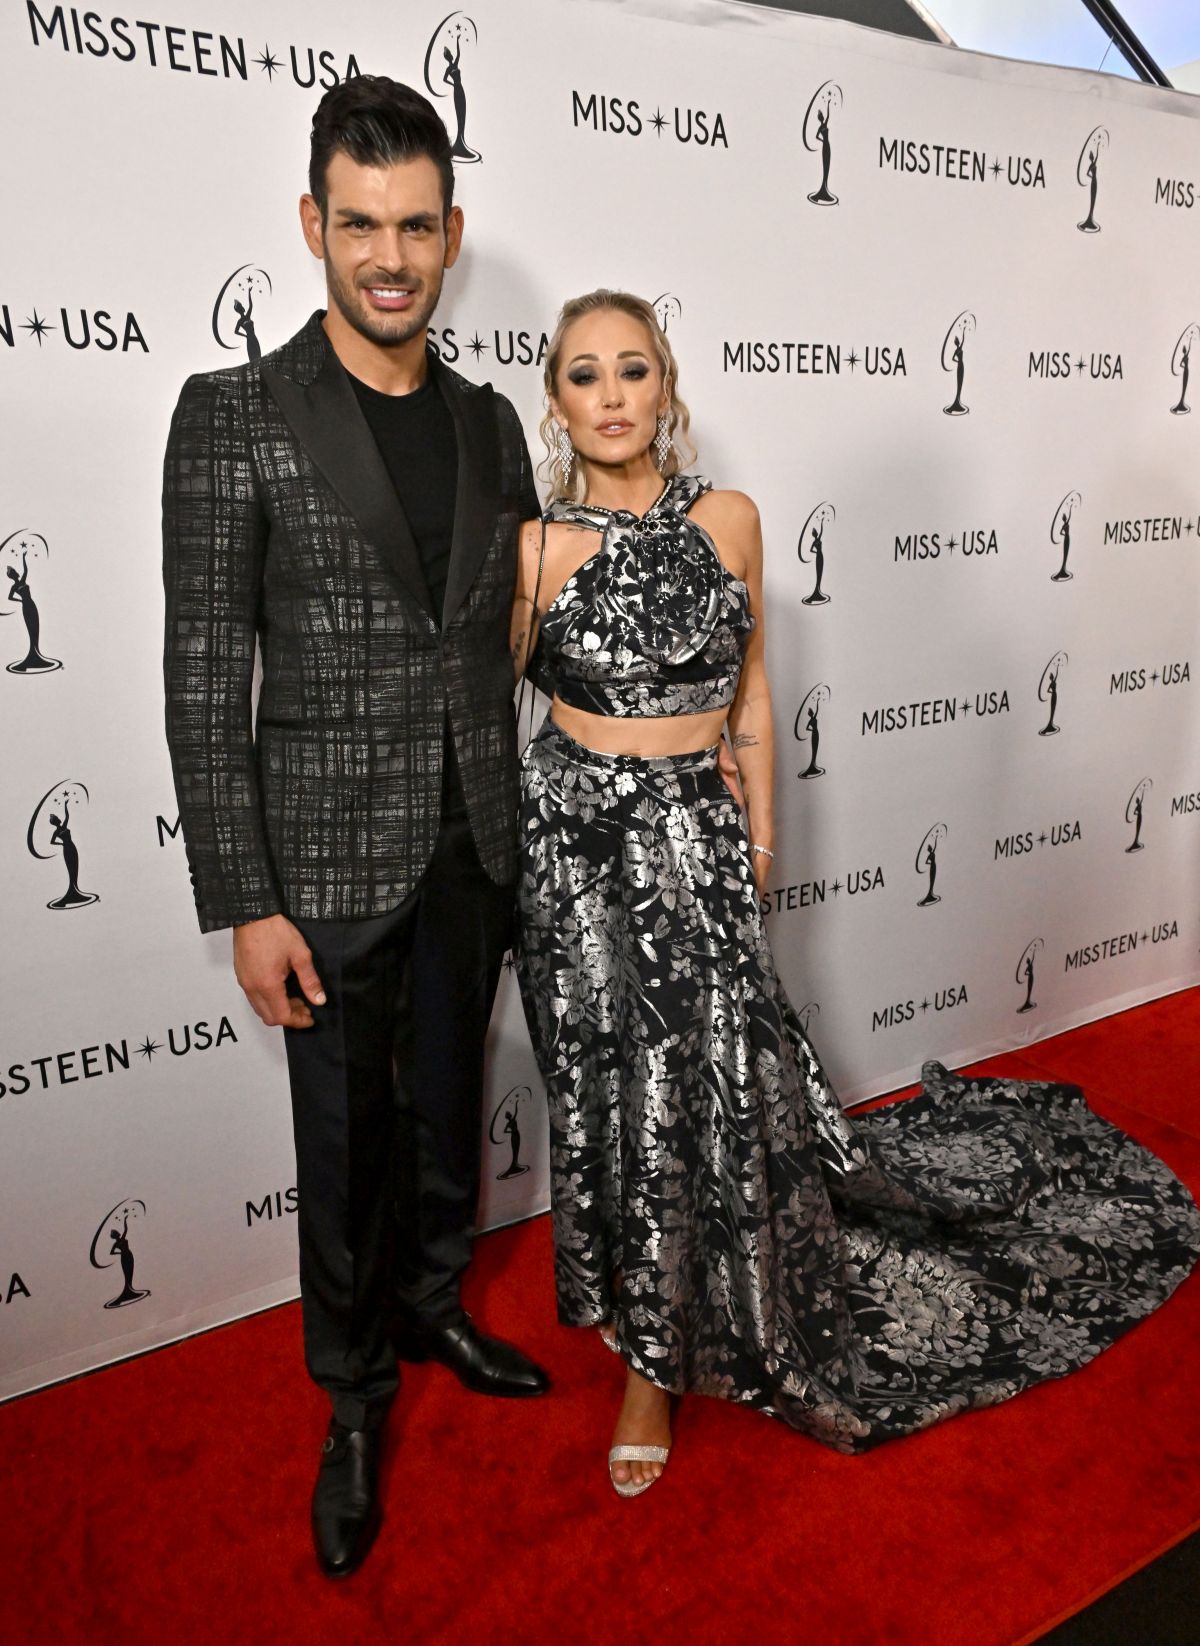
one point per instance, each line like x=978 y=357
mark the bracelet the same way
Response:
x=765 y=850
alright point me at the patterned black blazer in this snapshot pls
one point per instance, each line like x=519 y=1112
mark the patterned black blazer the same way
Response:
x=281 y=525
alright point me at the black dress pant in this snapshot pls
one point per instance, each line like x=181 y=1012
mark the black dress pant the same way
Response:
x=386 y=1106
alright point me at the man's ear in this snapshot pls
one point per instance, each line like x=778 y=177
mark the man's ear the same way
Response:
x=312 y=226
x=454 y=234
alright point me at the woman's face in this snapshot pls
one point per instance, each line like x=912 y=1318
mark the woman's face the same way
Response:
x=610 y=388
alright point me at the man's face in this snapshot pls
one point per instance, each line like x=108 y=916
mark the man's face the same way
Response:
x=385 y=243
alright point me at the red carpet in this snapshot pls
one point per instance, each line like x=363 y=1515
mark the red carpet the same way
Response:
x=165 y=1500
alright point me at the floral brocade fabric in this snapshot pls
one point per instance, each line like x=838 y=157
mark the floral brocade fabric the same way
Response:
x=858 y=1279
x=652 y=622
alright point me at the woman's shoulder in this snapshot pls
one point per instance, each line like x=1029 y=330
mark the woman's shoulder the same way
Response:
x=731 y=520
x=737 y=511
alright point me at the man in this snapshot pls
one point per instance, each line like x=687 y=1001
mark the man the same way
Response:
x=355 y=505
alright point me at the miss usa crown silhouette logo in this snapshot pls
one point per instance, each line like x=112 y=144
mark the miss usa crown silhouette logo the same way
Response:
x=113 y=1241
x=506 y=1123
x=444 y=78
x=1087 y=173
x=667 y=308
x=24 y=554
x=807 y=728
x=1134 y=808
x=233 y=320
x=811 y=548
x=1181 y=365
x=954 y=359
x=927 y=861
x=1025 y=971
x=825 y=102
x=50 y=835
x=1060 y=532
x=1048 y=692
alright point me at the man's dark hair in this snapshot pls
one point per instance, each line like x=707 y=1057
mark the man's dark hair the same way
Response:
x=377 y=121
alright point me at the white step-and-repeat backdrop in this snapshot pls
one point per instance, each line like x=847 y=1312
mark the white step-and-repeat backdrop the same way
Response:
x=938 y=314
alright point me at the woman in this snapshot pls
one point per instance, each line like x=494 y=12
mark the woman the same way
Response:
x=715 y=1213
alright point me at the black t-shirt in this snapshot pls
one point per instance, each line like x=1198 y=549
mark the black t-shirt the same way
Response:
x=416 y=439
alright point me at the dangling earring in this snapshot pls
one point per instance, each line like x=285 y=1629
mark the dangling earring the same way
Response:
x=662 y=441
x=566 y=453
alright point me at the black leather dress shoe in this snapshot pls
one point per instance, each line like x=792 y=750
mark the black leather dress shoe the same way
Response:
x=482 y=1364
x=345 y=1503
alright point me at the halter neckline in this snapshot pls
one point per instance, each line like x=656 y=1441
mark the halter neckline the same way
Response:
x=678 y=495
x=603 y=508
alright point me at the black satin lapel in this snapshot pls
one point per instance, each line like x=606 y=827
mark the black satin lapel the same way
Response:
x=327 y=420
x=478 y=495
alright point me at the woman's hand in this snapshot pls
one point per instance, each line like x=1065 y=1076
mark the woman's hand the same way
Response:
x=728 y=768
x=746 y=760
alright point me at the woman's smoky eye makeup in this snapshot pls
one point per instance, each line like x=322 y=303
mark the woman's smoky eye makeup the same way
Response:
x=634 y=370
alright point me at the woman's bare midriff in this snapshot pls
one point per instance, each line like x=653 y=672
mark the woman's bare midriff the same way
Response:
x=648 y=736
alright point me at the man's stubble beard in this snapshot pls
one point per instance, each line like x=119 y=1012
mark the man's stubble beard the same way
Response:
x=411 y=324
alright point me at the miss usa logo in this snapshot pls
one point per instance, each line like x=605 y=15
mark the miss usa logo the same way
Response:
x=818 y=119
x=811 y=549
x=808 y=727
x=1181 y=366
x=1134 y=809
x=51 y=834
x=1048 y=692
x=506 y=1126
x=1060 y=532
x=234 y=325
x=954 y=359
x=113 y=1242
x=444 y=75
x=1026 y=968
x=667 y=309
x=927 y=861
x=1087 y=175
x=25 y=556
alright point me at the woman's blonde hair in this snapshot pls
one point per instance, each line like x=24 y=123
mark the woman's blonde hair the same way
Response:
x=678 y=417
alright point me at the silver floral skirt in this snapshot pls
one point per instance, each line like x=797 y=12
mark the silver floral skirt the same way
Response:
x=858 y=1280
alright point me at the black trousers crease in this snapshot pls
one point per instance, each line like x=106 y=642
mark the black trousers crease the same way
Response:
x=386 y=1108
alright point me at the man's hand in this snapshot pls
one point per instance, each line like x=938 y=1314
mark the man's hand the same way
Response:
x=265 y=952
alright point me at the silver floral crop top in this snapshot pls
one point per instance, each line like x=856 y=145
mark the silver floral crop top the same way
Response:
x=652 y=623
